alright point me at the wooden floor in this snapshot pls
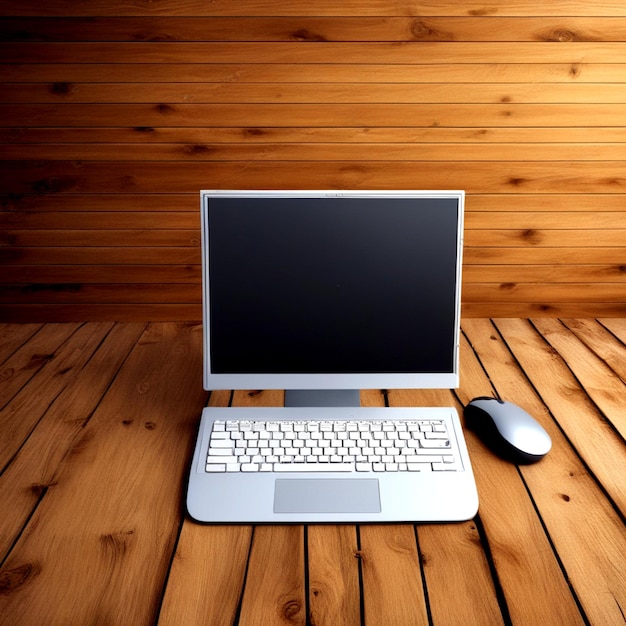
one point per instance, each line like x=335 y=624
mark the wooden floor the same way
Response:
x=97 y=425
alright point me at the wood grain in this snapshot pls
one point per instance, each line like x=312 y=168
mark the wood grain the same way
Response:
x=93 y=563
x=572 y=407
x=225 y=8
x=206 y=576
x=522 y=572
x=25 y=351
x=24 y=177
x=113 y=117
x=391 y=573
x=321 y=92
x=209 y=568
x=203 y=71
x=333 y=567
x=573 y=502
x=313 y=52
x=314 y=115
x=14 y=336
x=312 y=28
x=318 y=152
x=570 y=499
x=275 y=591
x=95 y=490
x=604 y=344
x=34 y=468
x=52 y=377
x=478 y=601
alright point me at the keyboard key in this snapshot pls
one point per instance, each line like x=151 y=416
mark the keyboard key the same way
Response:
x=217 y=460
x=419 y=467
x=330 y=446
x=314 y=467
x=435 y=443
x=221 y=443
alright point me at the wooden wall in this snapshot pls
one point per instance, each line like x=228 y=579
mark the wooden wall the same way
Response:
x=114 y=114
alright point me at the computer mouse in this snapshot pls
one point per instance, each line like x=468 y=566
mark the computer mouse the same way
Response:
x=507 y=430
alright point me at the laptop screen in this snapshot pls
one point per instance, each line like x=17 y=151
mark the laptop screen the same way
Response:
x=331 y=289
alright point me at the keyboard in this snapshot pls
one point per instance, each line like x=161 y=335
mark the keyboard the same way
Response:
x=420 y=445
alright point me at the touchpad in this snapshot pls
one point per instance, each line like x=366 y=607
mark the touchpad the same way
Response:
x=326 y=495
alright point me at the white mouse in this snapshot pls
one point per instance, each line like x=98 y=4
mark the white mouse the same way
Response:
x=507 y=430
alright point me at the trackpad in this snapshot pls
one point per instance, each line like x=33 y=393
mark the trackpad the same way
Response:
x=326 y=495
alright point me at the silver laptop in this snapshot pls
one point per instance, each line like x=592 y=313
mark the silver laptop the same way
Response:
x=323 y=293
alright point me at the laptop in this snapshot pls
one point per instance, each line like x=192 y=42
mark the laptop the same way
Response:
x=322 y=294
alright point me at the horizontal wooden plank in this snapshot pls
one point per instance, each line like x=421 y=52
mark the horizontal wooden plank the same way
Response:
x=312 y=115
x=100 y=256
x=534 y=310
x=116 y=204
x=512 y=204
x=549 y=238
x=494 y=238
x=162 y=312
x=307 y=28
x=326 y=152
x=188 y=204
x=362 y=135
x=550 y=220
x=559 y=257
x=500 y=274
x=335 y=93
x=226 y=8
x=170 y=293
x=91 y=220
x=203 y=71
x=508 y=275
x=188 y=221
x=101 y=238
x=27 y=313
x=163 y=256
x=85 y=293
x=528 y=273
x=71 y=274
x=314 y=52
x=18 y=177
x=583 y=293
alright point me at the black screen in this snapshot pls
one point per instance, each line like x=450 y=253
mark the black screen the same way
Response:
x=332 y=285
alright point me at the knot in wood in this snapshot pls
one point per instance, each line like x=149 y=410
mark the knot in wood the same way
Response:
x=565 y=35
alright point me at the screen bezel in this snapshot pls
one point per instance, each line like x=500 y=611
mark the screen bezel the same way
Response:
x=211 y=380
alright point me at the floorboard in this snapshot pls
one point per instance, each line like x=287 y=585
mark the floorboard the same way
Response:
x=98 y=422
